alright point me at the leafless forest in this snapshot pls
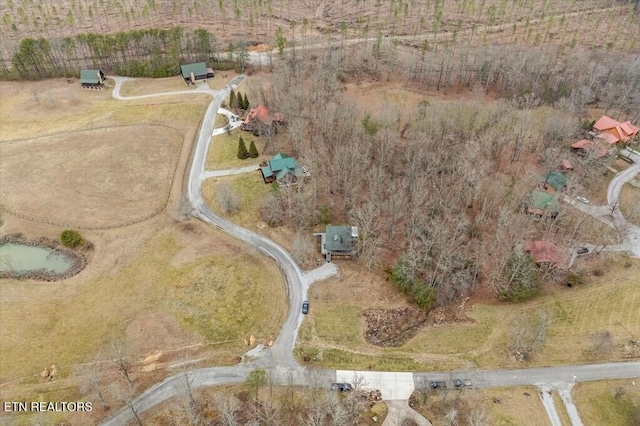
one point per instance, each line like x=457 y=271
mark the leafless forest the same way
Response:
x=436 y=189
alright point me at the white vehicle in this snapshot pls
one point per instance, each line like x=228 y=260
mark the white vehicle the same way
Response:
x=583 y=200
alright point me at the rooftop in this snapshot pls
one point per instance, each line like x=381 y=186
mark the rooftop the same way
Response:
x=543 y=201
x=556 y=179
x=546 y=252
x=341 y=238
x=199 y=68
x=89 y=76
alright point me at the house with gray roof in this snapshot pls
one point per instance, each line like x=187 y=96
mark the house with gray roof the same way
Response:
x=338 y=241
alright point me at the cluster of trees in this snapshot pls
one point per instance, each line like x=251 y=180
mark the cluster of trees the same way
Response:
x=243 y=154
x=237 y=101
x=139 y=53
x=435 y=188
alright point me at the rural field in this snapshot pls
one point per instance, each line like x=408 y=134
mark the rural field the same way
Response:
x=480 y=334
x=158 y=287
x=608 y=402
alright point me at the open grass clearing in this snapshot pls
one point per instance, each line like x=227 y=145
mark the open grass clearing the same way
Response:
x=630 y=203
x=221 y=121
x=116 y=175
x=251 y=191
x=606 y=303
x=148 y=86
x=223 y=151
x=498 y=406
x=206 y=288
x=608 y=402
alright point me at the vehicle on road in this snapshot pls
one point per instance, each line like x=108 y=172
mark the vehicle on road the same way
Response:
x=459 y=384
x=437 y=384
x=342 y=387
x=305 y=307
x=582 y=250
x=583 y=200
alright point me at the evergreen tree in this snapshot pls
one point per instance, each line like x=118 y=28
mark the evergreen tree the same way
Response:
x=232 y=100
x=242 y=150
x=245 y=102
x=253 y=151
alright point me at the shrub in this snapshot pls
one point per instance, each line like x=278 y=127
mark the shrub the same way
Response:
x=71 y=238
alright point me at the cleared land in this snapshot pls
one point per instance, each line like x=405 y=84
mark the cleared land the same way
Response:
x=608 y=402
x=92 y=178
x=169 y=289
x=333 y=331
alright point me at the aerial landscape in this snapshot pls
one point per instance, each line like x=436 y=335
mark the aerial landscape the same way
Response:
x=320 y=212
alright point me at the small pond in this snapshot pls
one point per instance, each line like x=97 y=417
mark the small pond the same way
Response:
x=22 y=258
x=44 y=260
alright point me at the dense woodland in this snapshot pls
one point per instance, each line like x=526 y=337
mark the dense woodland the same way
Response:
x=437 y=190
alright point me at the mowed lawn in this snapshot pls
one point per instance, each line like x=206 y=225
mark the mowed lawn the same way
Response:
x=609 y=303
x=223 y=151
x=608 y=402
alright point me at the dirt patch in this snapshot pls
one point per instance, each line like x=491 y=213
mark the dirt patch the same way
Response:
x=392 y=327
x=395 y=327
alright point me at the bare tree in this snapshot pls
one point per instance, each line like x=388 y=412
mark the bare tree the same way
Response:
x=228 y=409
x=226 y=198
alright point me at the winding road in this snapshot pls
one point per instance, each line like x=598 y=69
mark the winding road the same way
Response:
x=279 y=359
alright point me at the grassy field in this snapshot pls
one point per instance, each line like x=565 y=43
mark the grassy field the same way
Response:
x=499 y=406
x=146 y=86
x=630 y=203
x=608 y=402
x=223 y=151
x=610 y=303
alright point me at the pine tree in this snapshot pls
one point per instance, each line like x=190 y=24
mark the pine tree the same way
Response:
x=245 y=102
x=242 y=150
x=232 y=99
x=253 y=151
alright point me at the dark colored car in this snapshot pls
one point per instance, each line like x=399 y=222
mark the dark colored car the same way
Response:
x=305 y=307
x=435 y=384
x=583 y=250
x=342 y=387
x=458 y=383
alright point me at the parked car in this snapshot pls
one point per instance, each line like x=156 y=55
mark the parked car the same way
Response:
x=437 y=384
x=583 y=250
x=342 y=387
x=305 y=307
x=583 y=200
x=458 y=383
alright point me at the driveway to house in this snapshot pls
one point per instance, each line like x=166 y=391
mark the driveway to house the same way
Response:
x=279 y=359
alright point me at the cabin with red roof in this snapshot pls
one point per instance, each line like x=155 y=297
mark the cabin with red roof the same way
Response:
x=261 y=121
x=587 y=147
x=546 y=253
x=613 y=131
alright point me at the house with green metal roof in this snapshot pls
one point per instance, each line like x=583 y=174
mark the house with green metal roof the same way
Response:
x=196 y=71
x=92 y=78
x=541 y=203
x=554 y=182
x=338 y=241
x=281 y=168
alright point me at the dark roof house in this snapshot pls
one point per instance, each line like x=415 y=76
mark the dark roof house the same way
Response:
x=281 y=168
x=92 y=78
x=338 y=241
x=197 y=71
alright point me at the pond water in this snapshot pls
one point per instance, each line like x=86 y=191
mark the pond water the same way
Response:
x=19 y=257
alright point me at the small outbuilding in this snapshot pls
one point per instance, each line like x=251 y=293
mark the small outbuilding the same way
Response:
x=92 y=79
x=591 y=147
x=338 y=241
x=194 y=72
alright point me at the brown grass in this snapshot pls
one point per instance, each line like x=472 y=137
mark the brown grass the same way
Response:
x=598 y=405
x=610 y=302
x=630 y=203
x=500 y=406
x=223 y=151
x=146 y=86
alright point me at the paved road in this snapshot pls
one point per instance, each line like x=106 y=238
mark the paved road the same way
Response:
x=279 y=359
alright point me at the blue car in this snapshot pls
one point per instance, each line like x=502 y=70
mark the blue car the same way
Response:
x=305 y=307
